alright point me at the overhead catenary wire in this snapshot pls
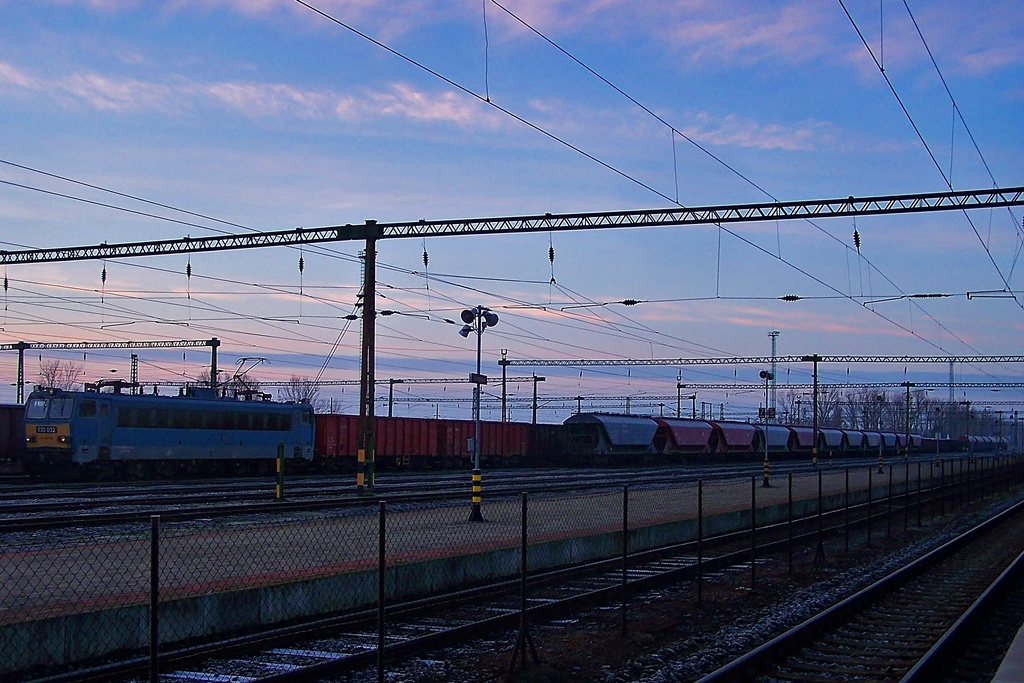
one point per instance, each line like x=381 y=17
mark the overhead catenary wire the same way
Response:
x=463 y=89
x=927 y=147
x=958 y=113
x=711 y=155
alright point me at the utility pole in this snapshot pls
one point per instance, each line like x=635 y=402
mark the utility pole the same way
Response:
x=906 y=435
x=535 y=380
x=367 y=383
x=391 y=394
x=504 y=378
x=679 y=394
x=774 y=334
x=814 y=450
x=952 y=393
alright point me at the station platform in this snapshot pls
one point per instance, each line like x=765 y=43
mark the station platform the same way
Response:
x=1012 y=668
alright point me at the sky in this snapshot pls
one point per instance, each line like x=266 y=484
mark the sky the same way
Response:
x=133 y=121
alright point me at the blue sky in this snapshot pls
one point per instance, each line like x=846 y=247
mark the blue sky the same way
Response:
x=266 y=115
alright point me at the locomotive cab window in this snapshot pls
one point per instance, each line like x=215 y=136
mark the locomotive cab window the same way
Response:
x=62 y=408
x=87 y=409
x=36 y=408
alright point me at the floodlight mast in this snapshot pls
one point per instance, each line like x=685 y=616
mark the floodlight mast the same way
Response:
x=767 y=376
x=477 y=319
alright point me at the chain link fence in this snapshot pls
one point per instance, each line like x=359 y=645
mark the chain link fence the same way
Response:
x=70 y=597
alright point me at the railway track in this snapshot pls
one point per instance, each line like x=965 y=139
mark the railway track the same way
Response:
x=41 y=506
x=902 y=627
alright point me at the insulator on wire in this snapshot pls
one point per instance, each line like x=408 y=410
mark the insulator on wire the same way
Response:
x=426 y=258
x=188 y=269
x=302 y=264
x=856 y=239
x=5 y=283
x=551 y=259
x=103 y=275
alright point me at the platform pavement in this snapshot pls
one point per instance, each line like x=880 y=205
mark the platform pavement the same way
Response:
x=1012 y=668
x=97 y=573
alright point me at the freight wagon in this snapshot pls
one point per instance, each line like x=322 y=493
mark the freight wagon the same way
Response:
x=12 y=432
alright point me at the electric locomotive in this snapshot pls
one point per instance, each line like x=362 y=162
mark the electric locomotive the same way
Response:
x=70 y=433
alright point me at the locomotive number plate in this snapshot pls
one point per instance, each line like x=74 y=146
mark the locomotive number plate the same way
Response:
x=46 y=429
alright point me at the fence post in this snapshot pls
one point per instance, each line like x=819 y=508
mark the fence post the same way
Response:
x=819 y=553
x=906 y=493
x=942 y=489
x=279 y=493
x=846 y=514
x=524 y=638
x=931 y=492
x=154 y=599
x=888 y=505
x=625 y=550
x=753 y=532
x=789 y=525
x=981 y=479
x=970 y=461
x=381 y=566
x=700 y=542
x=871 y=487
x=920 y=492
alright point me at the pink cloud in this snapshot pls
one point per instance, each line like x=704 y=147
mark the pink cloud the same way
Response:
x=10 y=75
x=118 y=95
x=254 y=99
x=741 y=132
x=274 y=99
x=404 y=100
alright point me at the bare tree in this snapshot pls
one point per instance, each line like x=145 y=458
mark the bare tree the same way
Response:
x=59 y=374
x=303 y=390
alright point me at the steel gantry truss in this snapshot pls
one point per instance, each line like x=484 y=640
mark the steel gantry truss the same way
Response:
x=372 y=231
x=548 y=222
x=724 y=386
x=21 y=347
x=756 y=360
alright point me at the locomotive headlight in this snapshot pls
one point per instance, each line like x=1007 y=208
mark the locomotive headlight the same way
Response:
x=63 y=438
